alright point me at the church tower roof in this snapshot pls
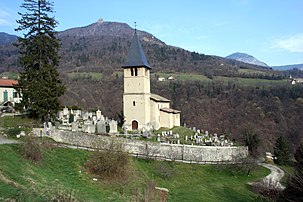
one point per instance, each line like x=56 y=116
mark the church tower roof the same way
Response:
x=136 y=56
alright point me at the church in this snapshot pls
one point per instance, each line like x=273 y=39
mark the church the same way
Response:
x=142 y=109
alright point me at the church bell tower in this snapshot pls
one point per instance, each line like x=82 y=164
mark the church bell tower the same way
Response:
x=136 y=96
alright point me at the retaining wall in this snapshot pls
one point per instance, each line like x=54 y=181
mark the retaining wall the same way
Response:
x=150 y=149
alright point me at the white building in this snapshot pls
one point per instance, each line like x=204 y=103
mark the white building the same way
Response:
x=142 y=109
x=8 y=93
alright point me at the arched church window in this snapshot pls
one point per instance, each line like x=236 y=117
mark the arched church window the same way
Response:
x=136 y=71
x=134 y=103
x=132 y=71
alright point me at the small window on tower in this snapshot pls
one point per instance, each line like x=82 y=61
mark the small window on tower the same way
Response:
x=132 y=71
x=134 y=103
x=136 y=72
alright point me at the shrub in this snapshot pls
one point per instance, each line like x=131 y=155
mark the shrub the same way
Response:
x=12 y=132
x=164 y=169
x=111 y=164
x=267 y=188
x=32 y=150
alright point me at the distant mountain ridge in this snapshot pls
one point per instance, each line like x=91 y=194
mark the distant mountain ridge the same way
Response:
x=243 y=57
x=102 y=47
x=7 y=38
x=288 y=67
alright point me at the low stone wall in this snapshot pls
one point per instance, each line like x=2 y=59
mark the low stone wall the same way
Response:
x=149 y=149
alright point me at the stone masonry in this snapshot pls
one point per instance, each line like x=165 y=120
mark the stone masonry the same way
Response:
x=170 y=151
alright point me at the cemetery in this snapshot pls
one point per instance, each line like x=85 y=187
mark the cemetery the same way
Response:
x=88 y=122
x=96 y=123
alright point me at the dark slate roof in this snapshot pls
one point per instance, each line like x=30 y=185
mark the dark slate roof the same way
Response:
x=136 y=56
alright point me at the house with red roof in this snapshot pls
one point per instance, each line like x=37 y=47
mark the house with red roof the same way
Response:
x=8 y=92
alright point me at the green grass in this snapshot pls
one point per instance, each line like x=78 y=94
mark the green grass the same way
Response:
x=182 y=131
x=254 y=71
x=249 y=81
x=96 y=76
x=224 y=80
x=12 y=126
x=10 y=121
x=289 y=171
x=182 y=76
x=63 y=169
x=10 y=75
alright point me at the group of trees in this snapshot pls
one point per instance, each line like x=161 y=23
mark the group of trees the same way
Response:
x=294 y=189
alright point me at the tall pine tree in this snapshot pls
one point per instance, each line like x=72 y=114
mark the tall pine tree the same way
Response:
x=281 y=151
x=38 y=48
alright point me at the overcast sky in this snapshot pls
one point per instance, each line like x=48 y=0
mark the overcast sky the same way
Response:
x=270 y=30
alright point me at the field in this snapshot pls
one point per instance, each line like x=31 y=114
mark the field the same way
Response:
x=10 y=75
x=221 y=79
x=96 y=76
x=63 y=173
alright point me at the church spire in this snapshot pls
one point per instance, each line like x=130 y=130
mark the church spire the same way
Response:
x=136 y=56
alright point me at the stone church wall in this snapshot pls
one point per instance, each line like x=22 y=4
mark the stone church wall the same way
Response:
x=148 y=149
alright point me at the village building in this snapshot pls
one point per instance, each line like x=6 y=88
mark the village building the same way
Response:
x=8 y=93
x=142 y=109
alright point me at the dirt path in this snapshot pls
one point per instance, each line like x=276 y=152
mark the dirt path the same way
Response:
x=4 y=140
x=273 y=179
x=275 y=176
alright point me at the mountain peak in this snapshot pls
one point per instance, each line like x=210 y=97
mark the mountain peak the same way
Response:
x=244 y=57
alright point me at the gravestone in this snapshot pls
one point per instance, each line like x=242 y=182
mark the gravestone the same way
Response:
x=61 y=115
x=91 y=128
x=85 y=116
x=98 y=114
x=113 y=129
x=65 y=111
x=186 y=138
x=206 y=133
x=74 y=126
x=94 y=119
x=101 y=127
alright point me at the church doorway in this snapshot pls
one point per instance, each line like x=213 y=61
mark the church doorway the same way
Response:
x=134 y=125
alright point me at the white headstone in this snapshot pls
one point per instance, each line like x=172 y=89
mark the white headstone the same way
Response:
x=91 y=128
x=98 y=114
x=74 y=126
x=65 y=111
x=113 y=129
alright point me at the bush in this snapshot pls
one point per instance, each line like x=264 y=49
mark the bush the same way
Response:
x=110 y=164
x=32 y=150
x=12 y=132
x=164 y=169
x=267 y=188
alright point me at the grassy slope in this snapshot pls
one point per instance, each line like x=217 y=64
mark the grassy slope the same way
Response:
x=60 y=170
x=225 y=80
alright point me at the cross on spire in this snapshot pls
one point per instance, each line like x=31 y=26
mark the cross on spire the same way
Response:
x=135 y=26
